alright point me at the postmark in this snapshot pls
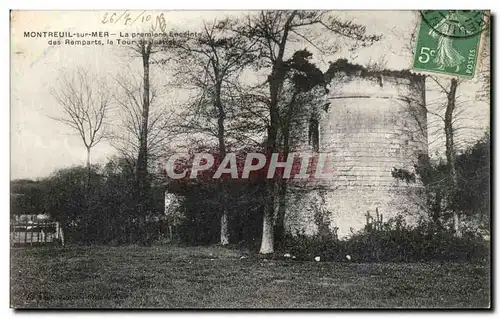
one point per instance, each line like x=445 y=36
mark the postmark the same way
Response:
x=449 y=42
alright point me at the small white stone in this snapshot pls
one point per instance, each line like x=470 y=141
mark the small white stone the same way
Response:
x=348 y=257
x=317 y=258
x=294 y=257
x=287 y=255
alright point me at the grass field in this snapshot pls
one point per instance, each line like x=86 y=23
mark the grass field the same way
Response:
x=215 y=277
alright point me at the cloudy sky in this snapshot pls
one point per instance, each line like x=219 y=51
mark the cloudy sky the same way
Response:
x=40 y=145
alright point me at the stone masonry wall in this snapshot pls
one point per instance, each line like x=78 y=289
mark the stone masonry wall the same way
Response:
x=374 y=124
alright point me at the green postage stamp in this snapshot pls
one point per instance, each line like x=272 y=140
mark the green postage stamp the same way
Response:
x=449 y=42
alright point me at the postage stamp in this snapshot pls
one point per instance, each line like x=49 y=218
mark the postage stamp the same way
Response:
x=449 y=42
x=248 y=159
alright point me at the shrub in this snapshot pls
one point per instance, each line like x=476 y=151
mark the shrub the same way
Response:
x=202 y=207
x=396 y=242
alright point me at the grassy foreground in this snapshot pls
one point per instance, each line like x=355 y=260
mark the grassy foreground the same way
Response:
x=215 y=277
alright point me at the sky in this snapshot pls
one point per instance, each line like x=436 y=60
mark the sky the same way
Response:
x=40 y=145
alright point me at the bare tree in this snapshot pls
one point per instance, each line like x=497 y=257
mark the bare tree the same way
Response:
x=144 y=50
x=450 y=144
x=127 y=135
x=135 y=102
x=211 y=64
x=450 y=121
x=85 y=102
x=447 y=121
x=446 y=112
x=274 y=31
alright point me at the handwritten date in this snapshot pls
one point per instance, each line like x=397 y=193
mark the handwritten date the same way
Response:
x=128 y=18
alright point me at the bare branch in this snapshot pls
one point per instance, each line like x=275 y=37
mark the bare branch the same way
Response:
x=85 y=102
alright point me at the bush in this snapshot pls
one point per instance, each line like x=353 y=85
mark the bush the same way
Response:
x=202 y=207
x=95 y=206
x=411 y=245
x=400 y=243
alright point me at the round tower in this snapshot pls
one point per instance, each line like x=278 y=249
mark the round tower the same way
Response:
x=374 y=124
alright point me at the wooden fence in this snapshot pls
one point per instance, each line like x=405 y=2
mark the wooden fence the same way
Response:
x=36 y=233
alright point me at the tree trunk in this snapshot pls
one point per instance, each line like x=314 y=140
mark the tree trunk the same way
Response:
x=450 y=148
x=275 y=85
x=89 y=174
x=224 y=230
x=279 y=232
x=224 y=226
x=221 y=114
x=282 y=189
x=267 y=243
x=88 y=158
x=142 y=162
x=141 y=168
x=60 y=233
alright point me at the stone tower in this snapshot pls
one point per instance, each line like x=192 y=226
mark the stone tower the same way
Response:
x=374 y=122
